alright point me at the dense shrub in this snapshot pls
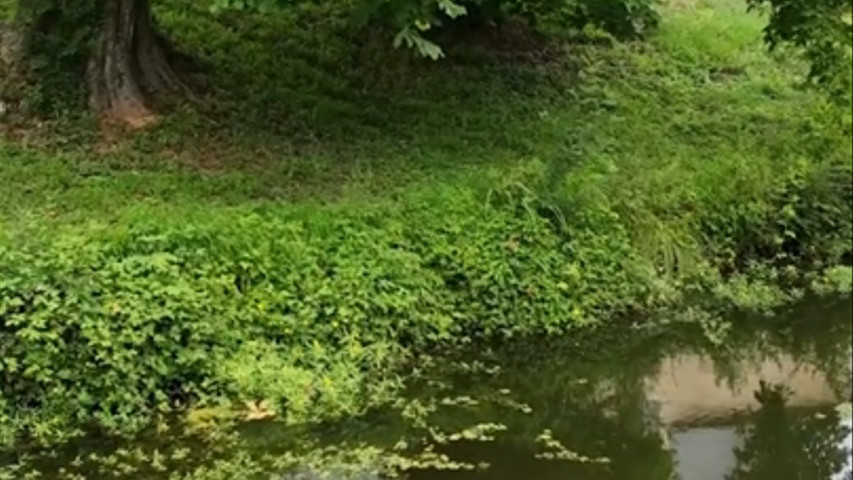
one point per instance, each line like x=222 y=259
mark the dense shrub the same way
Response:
x=108 y=326
x=308 y=311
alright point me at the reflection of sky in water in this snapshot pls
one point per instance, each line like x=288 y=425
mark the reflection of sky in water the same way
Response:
x=701 y=414
x=705 y=453
x=709 y=453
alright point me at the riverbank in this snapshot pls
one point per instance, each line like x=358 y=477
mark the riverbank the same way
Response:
x=286 y=249
x=605 y=405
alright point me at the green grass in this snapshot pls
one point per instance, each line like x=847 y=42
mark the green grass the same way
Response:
x=334 y=204
x=312 y=113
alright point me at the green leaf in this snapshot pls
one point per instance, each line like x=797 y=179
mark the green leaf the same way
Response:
x=452 y=9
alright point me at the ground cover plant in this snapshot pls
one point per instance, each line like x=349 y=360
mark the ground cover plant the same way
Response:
x=331 y=206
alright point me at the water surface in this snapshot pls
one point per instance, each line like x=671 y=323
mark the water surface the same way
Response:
x=668 y=404
x=644 y=401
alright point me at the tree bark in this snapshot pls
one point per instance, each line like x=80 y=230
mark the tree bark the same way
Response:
x=130 y=65
x=11 y=71
x=8 y=42
x=11 y=50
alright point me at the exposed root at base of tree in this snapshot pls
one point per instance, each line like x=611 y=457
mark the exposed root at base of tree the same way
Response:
x=131 y=66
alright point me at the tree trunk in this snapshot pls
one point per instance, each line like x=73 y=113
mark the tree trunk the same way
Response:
x=9 y=47
x=11 y=50
x=130 y=65
x=11 y=71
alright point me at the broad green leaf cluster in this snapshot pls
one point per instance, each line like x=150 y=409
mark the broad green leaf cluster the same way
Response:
x=822 y=29
x=419 y=23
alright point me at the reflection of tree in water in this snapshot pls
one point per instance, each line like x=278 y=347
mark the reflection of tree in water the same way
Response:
x=592 y=395
x=780 y=444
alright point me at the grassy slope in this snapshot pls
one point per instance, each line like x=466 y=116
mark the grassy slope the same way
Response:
x=333 y=194
x=310 y=114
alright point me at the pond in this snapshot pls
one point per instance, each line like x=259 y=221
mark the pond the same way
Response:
x=747 y=399
x=762 y=405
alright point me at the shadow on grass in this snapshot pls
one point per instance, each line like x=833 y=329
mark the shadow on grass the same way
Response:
x=305 y=85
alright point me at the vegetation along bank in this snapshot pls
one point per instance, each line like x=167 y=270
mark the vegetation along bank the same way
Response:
x=323 y=206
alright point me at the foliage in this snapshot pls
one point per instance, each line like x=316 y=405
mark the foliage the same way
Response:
x=416 y=20
x=836 y=279
x=56 y=46
x=365 y=209
x=822 y=29
x=8 y=10
x=148 y=319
